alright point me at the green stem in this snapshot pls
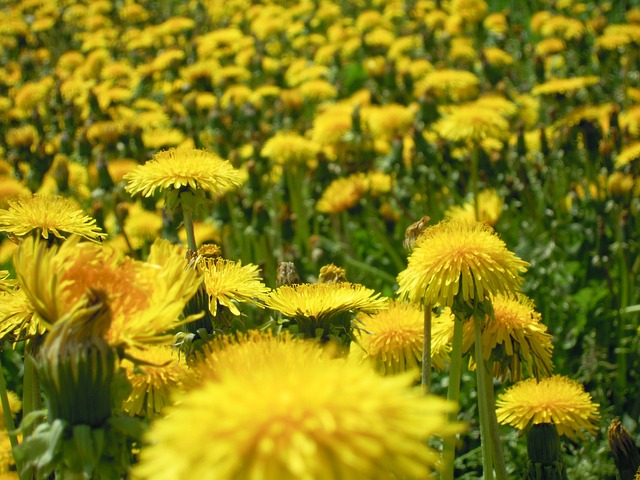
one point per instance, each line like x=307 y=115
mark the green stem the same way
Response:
x=188 y=226
x=481 y=374
x=621 y=351
x=475 y=159
x=6 y=409
x=426 y=351
x=494 y=429
x=453 y=395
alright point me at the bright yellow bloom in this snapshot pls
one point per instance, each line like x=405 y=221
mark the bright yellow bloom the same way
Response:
x=459 y=259
x=48 y=215
x=283 y=410
x=228 y=282
x=10 y=189
x=391 y=340
x=472 y=124
x=564 y=85
x=516 y=340
x=183 y=168
x=558 y=400
x=290 y=148
x=154 y=381
x=444 y=84
x=628 y=154
x=342 y=194
x=145 y=298
x=489 y=208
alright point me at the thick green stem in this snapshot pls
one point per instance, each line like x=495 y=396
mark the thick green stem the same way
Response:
x=498 y=455
x=485 y=419
x=475 y=159
x=453 y=395
x=188 y=226
x=426 y=351
x=623 y=274
x=6 y=409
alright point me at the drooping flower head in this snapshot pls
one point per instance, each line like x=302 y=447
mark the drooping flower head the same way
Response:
x=459 y=260
x=286 y=410
x=48 y=216
x=324 y=310
x=515 y=339
x=145 y=298
x=557 y=399
x=391 y=340
x=187 y=173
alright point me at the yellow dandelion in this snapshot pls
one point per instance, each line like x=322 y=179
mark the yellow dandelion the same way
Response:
x=145 y=298
x=25 y=137
x=390 y=121
x=162 y=138
x=157 y=377
x=142 y=226
x=324 y=310
x=15 y=405
x=453 y=84
x=342 y=194
x=459 y=259
x=331 y=125
x=228 y=283
x=619 y=184
x=17 y=320
x=391 y=340
x=10 y=189
x=550 y=46
x=347 y=421
x=490 y=206
x=496 y=23
x=318 y=90
x=472 y=11
x=183 y=169
x=516 y=339
x=564 y=85
x=462 y=50
x=290 y=148
x=497 y=57
x=204 y=232
x=473 y=124
x=628 y=154
x=564 y=27
x=48 y=216
x=557 y=400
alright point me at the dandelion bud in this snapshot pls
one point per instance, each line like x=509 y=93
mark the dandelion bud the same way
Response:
x=624 y=450
x=332 y=274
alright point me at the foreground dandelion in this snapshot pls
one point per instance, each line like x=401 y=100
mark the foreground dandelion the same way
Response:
x=391 y=340
x=557 y=400
x=463 y=260
x=49 y=216
x=285 y=410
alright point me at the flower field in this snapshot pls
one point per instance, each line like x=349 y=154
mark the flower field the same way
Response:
x=319 y=239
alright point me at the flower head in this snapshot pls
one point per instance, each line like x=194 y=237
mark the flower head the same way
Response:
x=558 y=400
x=347 y=421
x=145 y=298
x=459 y=259
x=564 y=85
x=48 y=216
x=182 y=170
x=515 y=339
x=324 y=310
x=154 y=381
x=228 y=282
x=472 y=123
x=489 y=208
x=392 y=340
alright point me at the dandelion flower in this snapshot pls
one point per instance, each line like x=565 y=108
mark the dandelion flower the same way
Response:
x=472 y=124
x=454 y=84
x=324 y=310
x=145 y=298
x=181 y=169
x=628 y=154
x=48 y=216
x=557 y=400
x=228 y=282
x=154 y=382
x=489 y=208
x=342 y=194
x=347 y=421
x=515 y=339
x=10 y=189
x=463 y=259
x=564 y=85
x=391 y=340
x=290 y=148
